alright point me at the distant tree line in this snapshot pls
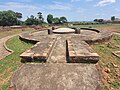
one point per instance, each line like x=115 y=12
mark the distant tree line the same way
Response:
x=32 y=20
x=52 y=20
x=113 y=18
x=10 y=18
x=99 y=20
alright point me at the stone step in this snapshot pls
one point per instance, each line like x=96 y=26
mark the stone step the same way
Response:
x=81 y=52
x=39 y=52
x=58 y=54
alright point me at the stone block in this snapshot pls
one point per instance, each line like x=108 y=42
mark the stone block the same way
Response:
x=82 y=54
x=50 y=31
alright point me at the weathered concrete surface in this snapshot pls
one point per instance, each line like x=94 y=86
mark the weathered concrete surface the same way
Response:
x=57 y=77
x=63 y=30
x=59 y=50
x=86 y=35
x=39 y=51
x=58 y=53
x=80 y=51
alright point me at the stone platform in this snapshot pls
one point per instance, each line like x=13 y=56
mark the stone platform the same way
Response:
x=81 y=52
x=56 y=77
x=39 y=52
x=69 y=63
x=57 y=48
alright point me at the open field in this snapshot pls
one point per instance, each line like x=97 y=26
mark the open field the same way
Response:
x=112 y=27
x=12 y=32
x=97 y=25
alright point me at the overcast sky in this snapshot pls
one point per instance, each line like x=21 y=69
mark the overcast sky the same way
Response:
x=74 y=10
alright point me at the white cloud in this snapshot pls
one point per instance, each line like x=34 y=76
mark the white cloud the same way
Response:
x=117 y=9
x=105 y=2
x=80 y=10
x=80 y=0
x=100 y=14
x=89 y=0
x=59 y=6
x=24 y=0
x=75 y=0
x=26 y=9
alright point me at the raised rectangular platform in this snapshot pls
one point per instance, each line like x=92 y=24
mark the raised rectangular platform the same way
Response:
x=81 y=52
x=58 y=53
x=39 y=52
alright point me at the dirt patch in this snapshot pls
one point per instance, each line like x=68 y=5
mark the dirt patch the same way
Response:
x=111 y=28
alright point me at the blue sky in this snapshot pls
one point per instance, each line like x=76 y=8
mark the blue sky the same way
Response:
x=74 y=10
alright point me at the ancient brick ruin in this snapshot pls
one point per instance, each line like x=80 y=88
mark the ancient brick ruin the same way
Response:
x=68 y=61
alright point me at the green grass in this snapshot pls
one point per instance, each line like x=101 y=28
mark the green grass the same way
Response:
x=107 y=58
x=116 y=39
x=107 y=48
x=96 y=26
x=9 y=64
x=106 y=88
x=115 y=84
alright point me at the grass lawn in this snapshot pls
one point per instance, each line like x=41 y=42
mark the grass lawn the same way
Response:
x=9 y=64
x=107 y=61
x=98 y=26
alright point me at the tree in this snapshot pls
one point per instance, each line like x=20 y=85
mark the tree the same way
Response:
x=40 y=17
x=50 y=19
x=95 y=20
x=18 y=15
x=32 y=17
x=113 y=18
x=56 y=20
x=9 y=18
x=63 y=20
x=98 y=20
x=32 y=20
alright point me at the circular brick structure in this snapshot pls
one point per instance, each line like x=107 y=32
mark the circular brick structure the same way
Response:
x=63 y=31
x=86 y=34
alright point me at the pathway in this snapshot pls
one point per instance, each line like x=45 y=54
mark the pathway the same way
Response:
x=3 y=51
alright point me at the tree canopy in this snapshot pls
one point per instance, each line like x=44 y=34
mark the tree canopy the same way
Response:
x=113 y=18
x=40 y=17
x=56 y=20
x=63 y=20
x=98 y=20
x=32 y=20
x=50 y=18
x=8 y=18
